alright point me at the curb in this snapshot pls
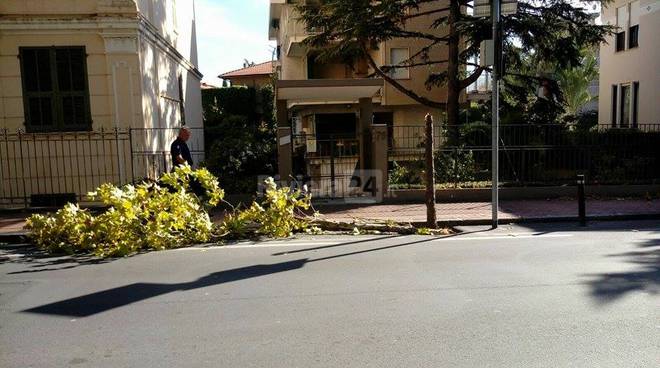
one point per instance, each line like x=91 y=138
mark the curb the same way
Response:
x=536 y=220
x=14 y=240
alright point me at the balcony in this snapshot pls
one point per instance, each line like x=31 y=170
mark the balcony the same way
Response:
x=286 y=28
x=328 y=91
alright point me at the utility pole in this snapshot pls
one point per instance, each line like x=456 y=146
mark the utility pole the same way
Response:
x=495 y=128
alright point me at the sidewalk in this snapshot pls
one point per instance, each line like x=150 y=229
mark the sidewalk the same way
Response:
x=480 y=212
x=11 y=224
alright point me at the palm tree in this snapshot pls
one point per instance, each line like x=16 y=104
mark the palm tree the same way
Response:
x=574 y=82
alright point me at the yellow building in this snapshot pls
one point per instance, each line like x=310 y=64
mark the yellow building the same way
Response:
x=328 y=109
x=93 y=91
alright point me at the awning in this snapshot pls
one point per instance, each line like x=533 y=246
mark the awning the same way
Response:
x=327 y=91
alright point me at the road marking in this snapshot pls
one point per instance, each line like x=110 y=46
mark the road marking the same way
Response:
x=266 y=244
x=510 y=237
x=288 y=243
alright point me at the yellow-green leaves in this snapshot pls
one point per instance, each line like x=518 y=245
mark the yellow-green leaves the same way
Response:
x=281 y=212
x=157 y=216
x=167 y=214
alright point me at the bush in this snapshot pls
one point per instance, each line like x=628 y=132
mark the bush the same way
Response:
x=406 y=174
x=162 y=215
x=455 y=166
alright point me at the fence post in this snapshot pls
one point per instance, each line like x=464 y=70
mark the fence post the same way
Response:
x=5 y=133
x=20 y=148
x=120 y=164
x=581 y=201
x=430 y=175
x=379 y=153
x=164 y=164
x=130 y=143
x=332 y=168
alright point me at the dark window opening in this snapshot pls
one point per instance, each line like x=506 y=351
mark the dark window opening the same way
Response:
x=55 y=88
x=635 y=103
x=336 y=134
x=335 y=126
x=624 y=118
x=620 y=41
x=633 y=37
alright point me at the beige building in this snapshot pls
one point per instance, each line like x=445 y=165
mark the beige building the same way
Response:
x=327 y=108
x=630 y=65
x=254 y=76
x=77 y=75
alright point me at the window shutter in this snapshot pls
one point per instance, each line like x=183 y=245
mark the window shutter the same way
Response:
x=397 y=56
x=622 y=16
x=634 y=13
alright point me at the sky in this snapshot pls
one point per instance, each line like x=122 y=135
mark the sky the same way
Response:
x=229 y=31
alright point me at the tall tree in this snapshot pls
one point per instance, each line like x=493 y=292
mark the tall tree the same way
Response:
x=552 y=30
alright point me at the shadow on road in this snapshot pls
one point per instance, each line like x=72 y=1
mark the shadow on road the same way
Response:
x=90 y=304
x=41 y=261
x=604 y=287
x=608 y=287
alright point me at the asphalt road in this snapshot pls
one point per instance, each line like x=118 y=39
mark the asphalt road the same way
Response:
x=547 y=296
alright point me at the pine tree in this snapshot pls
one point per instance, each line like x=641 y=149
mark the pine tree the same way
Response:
x=551 y=30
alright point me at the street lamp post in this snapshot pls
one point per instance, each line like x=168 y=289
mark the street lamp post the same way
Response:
x=495 y=128
x=494 y=9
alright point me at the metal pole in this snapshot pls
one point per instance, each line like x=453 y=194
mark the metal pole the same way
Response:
x=582 y=212
x=495 y=110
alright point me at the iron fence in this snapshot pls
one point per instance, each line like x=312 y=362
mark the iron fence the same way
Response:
x=548 y=154
x=48 y=169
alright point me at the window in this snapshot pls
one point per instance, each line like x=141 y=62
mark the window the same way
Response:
x=55 y=88
x=633 y=31
x=614 y=102
x=624 y=117
x=398 y=56
x=620 y=41
x=633 y=37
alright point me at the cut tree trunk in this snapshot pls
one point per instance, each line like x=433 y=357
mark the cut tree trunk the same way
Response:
x=432 y=223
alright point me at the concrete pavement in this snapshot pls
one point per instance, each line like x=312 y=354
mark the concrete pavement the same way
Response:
x=533 y=296
x=509 y=211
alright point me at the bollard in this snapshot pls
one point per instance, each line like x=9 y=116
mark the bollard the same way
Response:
x=581 y=201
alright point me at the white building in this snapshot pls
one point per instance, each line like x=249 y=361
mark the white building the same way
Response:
x=630 y=65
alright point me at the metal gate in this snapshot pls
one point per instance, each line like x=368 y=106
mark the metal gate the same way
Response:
x=329 y=167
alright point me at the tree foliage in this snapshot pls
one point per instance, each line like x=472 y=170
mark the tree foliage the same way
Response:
x=279 y=215
x=156 y=216
x=240 y=132
x=554 y=31
x=574 y=82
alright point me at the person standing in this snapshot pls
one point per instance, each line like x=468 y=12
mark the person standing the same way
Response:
x=179 y=149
